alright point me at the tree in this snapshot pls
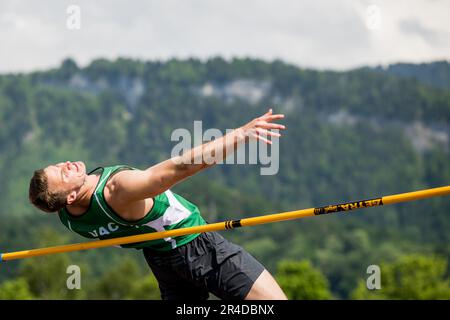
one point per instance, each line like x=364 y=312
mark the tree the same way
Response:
x=415 y=277
x=145 y=289
x=16 y=289
x=125 y=281
x=300 y=281
x=47 y=276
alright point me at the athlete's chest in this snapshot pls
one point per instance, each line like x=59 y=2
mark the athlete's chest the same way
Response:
x=127 y=210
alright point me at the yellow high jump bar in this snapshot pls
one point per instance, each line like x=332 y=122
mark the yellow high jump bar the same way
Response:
x=231 y=224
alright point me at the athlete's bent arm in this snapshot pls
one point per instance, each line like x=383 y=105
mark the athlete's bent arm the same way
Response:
x=134 y=185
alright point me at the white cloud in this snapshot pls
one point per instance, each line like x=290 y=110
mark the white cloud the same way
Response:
x=317 y=34
x=433 y=37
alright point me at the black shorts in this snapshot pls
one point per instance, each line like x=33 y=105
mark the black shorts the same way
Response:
x=209 y=263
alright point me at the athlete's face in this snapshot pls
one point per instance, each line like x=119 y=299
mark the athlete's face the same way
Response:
x=67 y=177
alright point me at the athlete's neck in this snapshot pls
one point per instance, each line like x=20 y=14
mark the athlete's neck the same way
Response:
x=84 y=196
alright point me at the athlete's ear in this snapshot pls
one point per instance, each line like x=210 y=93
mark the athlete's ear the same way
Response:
x=71 y=197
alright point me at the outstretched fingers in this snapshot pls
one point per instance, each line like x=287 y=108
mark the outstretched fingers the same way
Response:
x=265 y=132
x=267 y=125
x=268 y=112
x=262 y=138
x=261 y=128
x=271 y=118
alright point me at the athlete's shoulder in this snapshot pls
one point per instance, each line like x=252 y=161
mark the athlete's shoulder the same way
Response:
x=120 y=176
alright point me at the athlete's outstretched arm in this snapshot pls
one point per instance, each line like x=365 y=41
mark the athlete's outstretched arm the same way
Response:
x=135 y=185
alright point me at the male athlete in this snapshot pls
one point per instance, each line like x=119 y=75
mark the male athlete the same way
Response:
x=120 y=200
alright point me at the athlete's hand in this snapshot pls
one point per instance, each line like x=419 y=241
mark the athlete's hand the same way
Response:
x=260 y=128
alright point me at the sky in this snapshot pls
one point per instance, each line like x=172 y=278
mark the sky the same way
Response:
x=319 y=34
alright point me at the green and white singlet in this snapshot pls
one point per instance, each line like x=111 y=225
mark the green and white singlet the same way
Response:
x=169 y=211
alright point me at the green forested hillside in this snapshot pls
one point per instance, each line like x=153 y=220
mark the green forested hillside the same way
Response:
x=351 y=135
x=434 y=74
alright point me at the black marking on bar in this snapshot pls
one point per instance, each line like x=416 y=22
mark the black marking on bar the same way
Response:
x=233 y=224
x=349 y=206
x=236 y=223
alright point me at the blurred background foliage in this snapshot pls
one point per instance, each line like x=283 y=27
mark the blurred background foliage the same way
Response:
x=351 y=135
